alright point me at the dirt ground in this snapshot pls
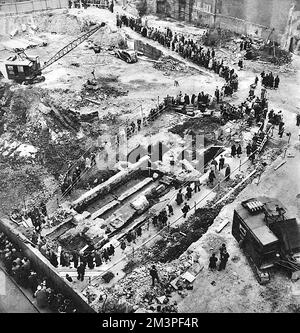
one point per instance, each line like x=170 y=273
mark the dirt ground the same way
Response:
x=140 y=85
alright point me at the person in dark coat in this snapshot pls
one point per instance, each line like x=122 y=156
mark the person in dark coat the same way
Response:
x=112 y=249
x=239 y=151
x=90 y=261
x=222 y=249
x=227 y=173
x=211 y=176
x=62 y=259
x=233 y=150
x=75 y=258
x=185 y=209
x=248 y=149
x=193 y=99
x=123 y=245
x=81 y=272
x=221 y=162
x=189 y=192
x=98 y=260
x=186 y=99
x=179 y=198
x=217 y=95
x=197 y=185
x=170 y=209
x=138 y=232
x=155 y=220
x=223 y=260
x=213 y=262
x=298 y=119
x=276 y=82
x=154 y=275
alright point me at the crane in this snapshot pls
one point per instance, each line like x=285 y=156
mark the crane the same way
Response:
x=27 y=69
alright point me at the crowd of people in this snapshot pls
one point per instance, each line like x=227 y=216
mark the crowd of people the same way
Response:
x=22 y=271
x=269 y=80
x=187 y=48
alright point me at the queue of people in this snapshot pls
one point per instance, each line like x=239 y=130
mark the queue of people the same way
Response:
x=186 y=47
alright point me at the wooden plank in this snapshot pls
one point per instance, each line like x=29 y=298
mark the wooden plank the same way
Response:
x=222 y=226
x=278 y=166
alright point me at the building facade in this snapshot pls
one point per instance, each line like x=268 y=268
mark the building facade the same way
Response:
x=257 y=17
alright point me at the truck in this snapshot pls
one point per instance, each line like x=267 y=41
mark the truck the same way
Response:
x=267 y=236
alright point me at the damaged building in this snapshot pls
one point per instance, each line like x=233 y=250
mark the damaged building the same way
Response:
x=148 y=156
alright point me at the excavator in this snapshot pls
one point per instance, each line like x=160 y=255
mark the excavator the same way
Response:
x=25 y=69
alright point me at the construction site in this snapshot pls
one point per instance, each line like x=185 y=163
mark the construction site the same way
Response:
x=149 y=158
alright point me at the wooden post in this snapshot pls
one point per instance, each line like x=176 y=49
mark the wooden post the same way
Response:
x=195 y=205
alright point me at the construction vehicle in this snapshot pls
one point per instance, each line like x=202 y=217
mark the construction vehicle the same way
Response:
x=267 y=236
x=27 y=69
x=129 y=56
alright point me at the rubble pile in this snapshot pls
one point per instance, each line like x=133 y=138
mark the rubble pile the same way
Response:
x=276 y=56
x=136 y=290
x=169 y=65
x=99 y=90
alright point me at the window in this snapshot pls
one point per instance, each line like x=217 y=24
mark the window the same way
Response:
x=10 y=69
x=207 y=8
x=20 y=69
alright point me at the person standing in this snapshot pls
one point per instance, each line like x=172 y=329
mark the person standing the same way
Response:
x=276 y=82
x=211 y=177
x=233 y=150
x=227 y=173
x=170 y=210
x=75 y=259
x=298 y=119
x=81 y=272
x=222 y=249
x=215 y=164
x=185 y=209
x=213 y=262
x=223 y=260
x=154 y=275
x=248 y=149
x=189 y=192
x=239 y=151
x=179 y=198
x=217 y=95
x=197 y=185
x=221 y=162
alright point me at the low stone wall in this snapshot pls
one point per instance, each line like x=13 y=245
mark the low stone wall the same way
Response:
x=43 y=266
x=148 y=50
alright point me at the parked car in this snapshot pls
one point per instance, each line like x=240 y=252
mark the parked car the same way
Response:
x=129 y=56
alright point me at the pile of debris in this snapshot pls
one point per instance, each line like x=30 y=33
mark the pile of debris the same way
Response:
x=98 y=90
x=269 y=53
x=168 y=65
x=136 y=290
